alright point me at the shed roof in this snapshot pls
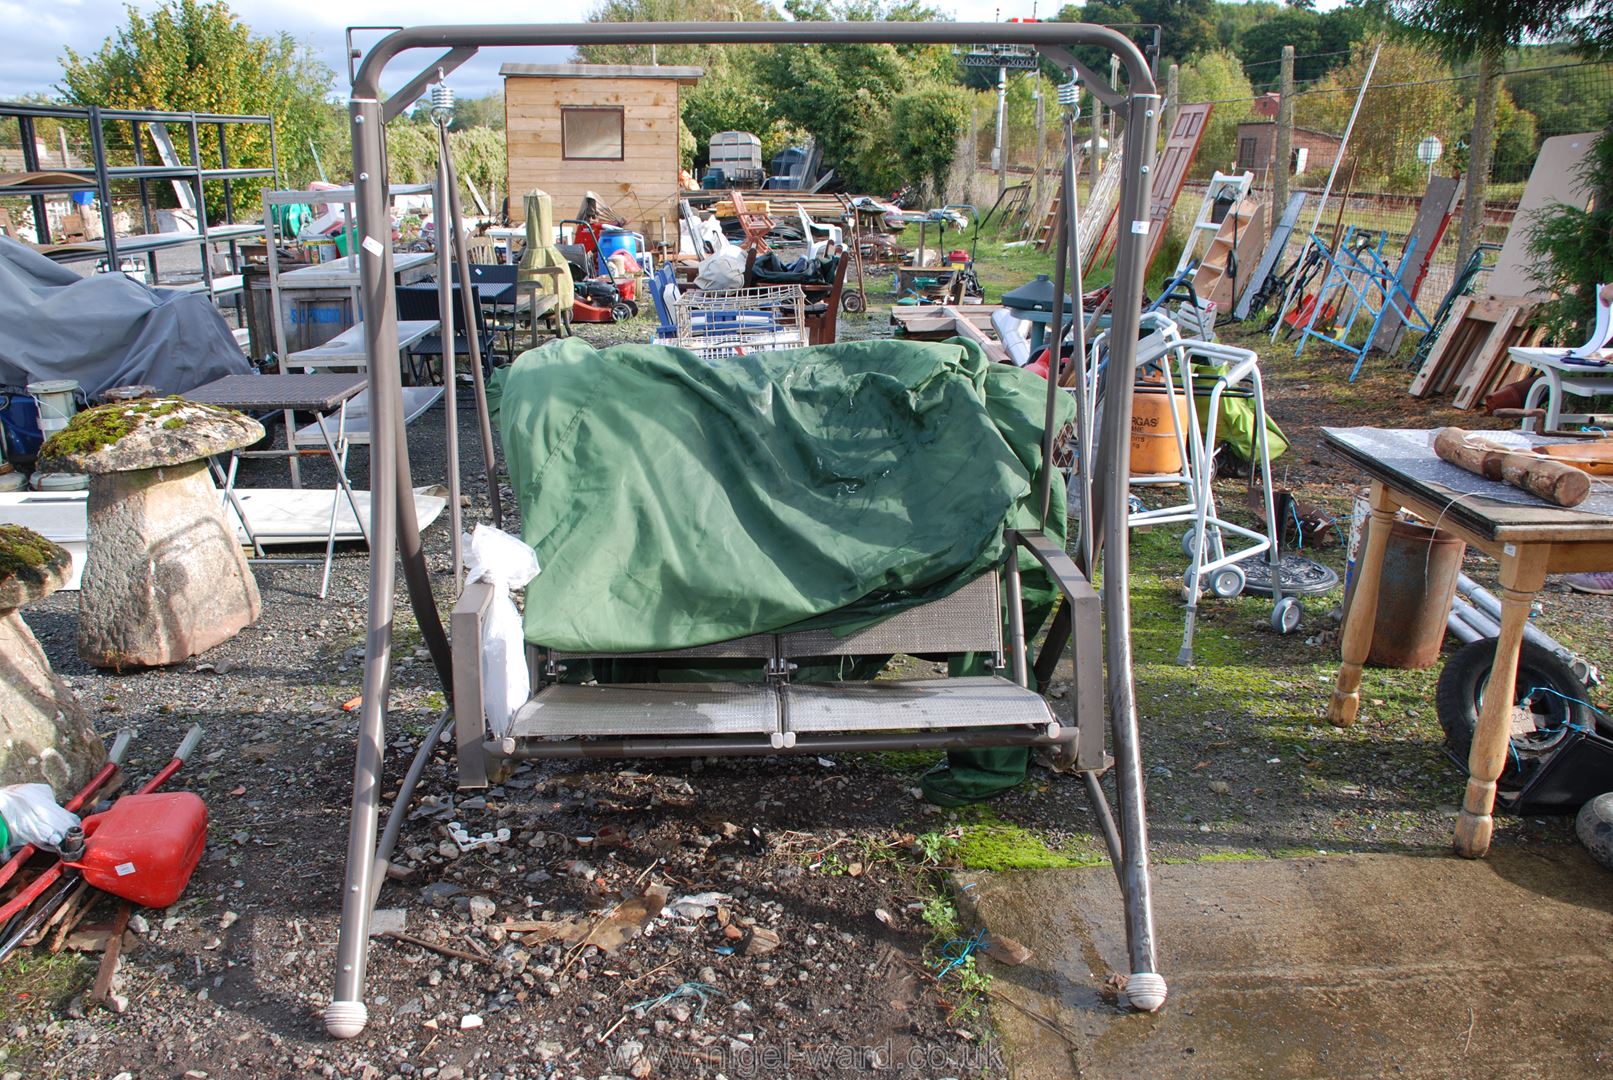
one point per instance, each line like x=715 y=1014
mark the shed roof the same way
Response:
x=684 y=75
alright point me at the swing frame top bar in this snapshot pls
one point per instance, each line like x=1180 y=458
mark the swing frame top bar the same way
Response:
x=394 y=533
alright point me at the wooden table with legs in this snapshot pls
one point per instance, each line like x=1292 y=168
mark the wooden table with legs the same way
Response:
x=1528 y=537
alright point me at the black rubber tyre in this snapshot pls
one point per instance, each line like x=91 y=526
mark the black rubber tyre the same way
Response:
x=620 y=312
x=1595 y=828
x=851 y=302
x=1556 y=698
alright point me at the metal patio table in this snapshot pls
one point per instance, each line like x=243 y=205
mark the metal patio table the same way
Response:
x=320 y=394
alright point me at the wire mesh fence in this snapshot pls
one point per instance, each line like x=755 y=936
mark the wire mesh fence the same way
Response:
x=1408 y=131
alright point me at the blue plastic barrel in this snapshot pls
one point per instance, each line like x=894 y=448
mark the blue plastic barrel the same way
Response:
x=613 y=240
x=20 y=418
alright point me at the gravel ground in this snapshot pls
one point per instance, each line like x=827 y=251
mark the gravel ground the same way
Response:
x=816 y=955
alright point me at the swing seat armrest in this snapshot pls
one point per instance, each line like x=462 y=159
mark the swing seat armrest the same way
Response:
x=470 y=712
x=1086 y=697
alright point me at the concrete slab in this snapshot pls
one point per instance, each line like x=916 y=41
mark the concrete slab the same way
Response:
x=1342 y=966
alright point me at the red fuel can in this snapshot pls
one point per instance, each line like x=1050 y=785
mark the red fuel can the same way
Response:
x=146 y=847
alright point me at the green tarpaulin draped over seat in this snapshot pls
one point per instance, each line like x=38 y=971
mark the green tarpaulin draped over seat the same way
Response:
x=674 y=501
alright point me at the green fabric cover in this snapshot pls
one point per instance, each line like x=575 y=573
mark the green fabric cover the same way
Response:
x=1235 y=424
x=676 y=502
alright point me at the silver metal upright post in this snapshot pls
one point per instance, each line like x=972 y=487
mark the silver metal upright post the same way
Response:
x=1145 y=988
x=477 y=375
x=347 y=1014
x=1055 y=327
x=1070 y=97
x=450 y=354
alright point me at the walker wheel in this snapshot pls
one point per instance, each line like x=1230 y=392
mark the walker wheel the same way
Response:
x=1227 y=582
x=1187 y=543
x=1285 y=615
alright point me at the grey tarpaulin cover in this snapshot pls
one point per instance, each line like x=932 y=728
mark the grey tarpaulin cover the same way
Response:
x=105 y=330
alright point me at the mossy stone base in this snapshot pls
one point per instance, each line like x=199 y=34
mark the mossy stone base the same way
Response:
x=165 y=578
x=45 y=735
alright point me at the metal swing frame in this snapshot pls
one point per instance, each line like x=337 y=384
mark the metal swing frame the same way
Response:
x=394 y=532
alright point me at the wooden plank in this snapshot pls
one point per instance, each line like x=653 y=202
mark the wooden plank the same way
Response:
x=1554 y=178
x=926 y=322
x=1469 y=337
x=532 y=97
x=964 y=327
x=1433 y=215
x=1491 y=353
x=1438 y=355
x=634 y=118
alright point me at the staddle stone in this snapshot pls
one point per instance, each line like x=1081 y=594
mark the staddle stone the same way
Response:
x=165 y=578
x=44 y=732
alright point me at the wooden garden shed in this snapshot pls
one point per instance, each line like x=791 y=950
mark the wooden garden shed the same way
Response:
x=607 y=128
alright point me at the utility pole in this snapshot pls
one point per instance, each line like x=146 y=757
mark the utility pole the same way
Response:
x=974 y=153
x=1041 y=147
x=1173 y=96
x=1002 y=57
x=999 y=152
x=1285 y=138
x=1114 y=116
x=1096 y=157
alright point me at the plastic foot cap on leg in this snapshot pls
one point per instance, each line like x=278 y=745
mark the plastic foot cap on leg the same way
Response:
x=346 y=1019
x=1145 y=991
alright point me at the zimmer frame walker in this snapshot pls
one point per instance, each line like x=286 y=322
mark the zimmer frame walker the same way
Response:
x=1204 y=543
x=394 y=533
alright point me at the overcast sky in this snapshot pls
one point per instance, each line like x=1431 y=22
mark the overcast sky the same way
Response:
x=36 y=32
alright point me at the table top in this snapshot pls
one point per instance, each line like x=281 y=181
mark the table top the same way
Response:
x=1404 y=460
x=348 y=346
x=315 y=393
x=1557 y=357
x=343 y=272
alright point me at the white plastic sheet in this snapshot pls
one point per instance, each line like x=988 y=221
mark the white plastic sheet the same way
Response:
x=507 y=563
x=724 y=270
x=32 y=816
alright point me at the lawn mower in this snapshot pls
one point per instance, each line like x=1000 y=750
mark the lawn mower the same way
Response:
x=599 y=299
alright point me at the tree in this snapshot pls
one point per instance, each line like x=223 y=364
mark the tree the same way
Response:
x=1406 y=101
x=196 y=56
x=843 y=94
x=486 y=111
x=1321 y=41
x=927 y=124
x=1218 y=77
x=1572 y=245
x=1483 y=30
x=673 y=11
x=730 y=95
x=1562 y=102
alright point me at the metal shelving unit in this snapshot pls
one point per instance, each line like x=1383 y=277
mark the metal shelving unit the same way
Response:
x=100 y=177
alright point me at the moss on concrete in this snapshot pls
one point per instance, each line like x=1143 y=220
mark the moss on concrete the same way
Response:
x=24 y=551
x=989 y=843
x=104 y=425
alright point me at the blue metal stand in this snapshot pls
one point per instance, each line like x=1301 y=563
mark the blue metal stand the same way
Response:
x=1374 y=289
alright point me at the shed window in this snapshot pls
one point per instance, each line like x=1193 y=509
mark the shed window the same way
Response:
x=1246 y=153
x=591 y=134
